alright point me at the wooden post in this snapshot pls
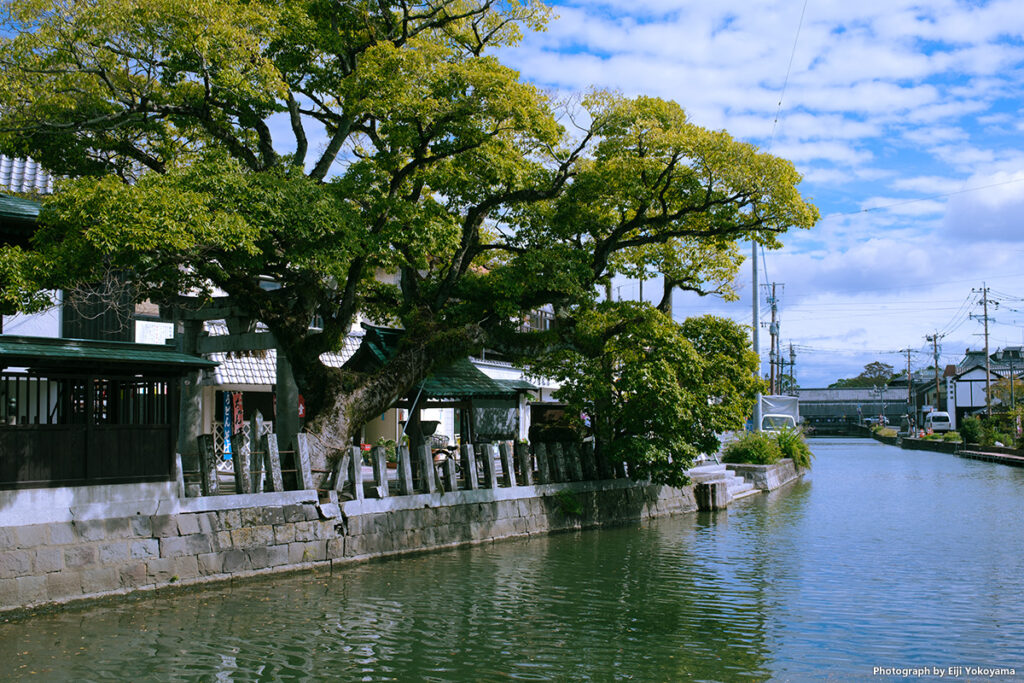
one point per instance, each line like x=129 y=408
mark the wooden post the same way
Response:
x=469 y=466
x=208 y=465
x=272 y=460
x=451 y=482
x=355 y=473
x=508 y=467
x=240 y=458
x=427 y=475
x=490 y=475
x=380 y=471
x=557 y=463
x=305 y=473
x=525 y=463
x=404 y=471
x=255 y=456
x=543 y=471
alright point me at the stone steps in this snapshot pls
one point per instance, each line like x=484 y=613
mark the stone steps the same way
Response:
x=737 y=486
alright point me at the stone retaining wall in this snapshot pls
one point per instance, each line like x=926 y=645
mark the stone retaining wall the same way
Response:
x=190 y=541
x=768 y=477
x=930 y=445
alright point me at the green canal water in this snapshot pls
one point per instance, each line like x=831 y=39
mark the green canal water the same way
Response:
x=879 y=558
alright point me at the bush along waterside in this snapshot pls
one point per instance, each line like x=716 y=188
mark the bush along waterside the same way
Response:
x=767 y=448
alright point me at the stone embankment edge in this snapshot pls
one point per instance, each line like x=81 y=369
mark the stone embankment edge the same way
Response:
x=189 y=542
x=1004 y=456
x=768 y=477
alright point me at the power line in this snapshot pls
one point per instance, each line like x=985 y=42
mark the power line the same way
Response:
x=924 y=199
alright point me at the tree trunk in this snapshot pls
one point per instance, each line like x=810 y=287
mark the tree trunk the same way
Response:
x=341 y=401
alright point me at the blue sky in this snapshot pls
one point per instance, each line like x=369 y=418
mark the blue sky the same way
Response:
x=903 y=117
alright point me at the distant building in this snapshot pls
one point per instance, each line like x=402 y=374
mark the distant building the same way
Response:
x=834 y=411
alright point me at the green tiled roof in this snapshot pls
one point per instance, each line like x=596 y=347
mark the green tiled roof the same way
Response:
x=516 y=384
x=461 y=379
x=37 y=351
x=17 y=219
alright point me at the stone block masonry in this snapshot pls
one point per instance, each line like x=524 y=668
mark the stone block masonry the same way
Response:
x=197 y=540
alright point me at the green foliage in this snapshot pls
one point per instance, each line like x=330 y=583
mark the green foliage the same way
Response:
x=971 y=430
x=755 y=448
x=390 y=449
x=885 y=431
x=952 y=436
x=792 y=444
x=874 y=374
x=657 y=393
x=460 y=203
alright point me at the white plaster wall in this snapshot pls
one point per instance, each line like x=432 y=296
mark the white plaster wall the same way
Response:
x=44 y=324
x=69 y=503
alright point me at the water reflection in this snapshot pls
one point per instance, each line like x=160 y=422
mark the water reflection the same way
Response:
x=882 y=557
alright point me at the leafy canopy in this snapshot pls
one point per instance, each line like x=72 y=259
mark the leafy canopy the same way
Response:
x=656 y=393
x=370 y=157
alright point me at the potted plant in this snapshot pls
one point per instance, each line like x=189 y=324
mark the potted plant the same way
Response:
x=390 y=452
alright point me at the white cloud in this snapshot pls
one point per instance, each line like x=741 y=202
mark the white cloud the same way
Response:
x=905 y=108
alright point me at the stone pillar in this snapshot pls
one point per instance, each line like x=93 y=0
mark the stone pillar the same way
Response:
x=286 y=421
x=490 y=474
x=427 y=474
x=341 y=471
x=241 y=458
x=380 y=471
x=190 y=401
x=208 y=465
x=620 y=469
x=259 y=476
x=304 y=475
x=590 y=472
x=543 y=470
x=272 y=460
x=404 y=471
x=508 y=466
x=469 y=466
x=451 y=482
x=355 y=472
x=525 y=463
x=558 y=473
x=572 y=453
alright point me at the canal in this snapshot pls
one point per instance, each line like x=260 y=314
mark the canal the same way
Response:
x=879 y=558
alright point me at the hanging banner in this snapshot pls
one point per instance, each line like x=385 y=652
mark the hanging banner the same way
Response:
x=238 y=413
x=228 y=431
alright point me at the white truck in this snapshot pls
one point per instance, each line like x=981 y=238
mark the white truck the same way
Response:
x=779 y=412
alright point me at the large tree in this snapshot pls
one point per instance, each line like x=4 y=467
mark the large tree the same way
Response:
x=874 y=374
x=368 y=156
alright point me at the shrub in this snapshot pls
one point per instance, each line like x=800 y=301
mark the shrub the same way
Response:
x=996 y=438
x=792 y=445
x=756 y=448
x=888 y=431
x=971 y=430
x=951 y=436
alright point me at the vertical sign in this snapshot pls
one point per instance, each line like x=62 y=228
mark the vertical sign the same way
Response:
x=228 y=431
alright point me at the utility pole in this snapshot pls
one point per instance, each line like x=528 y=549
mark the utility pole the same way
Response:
x=988 y=361
x=792 y=370
x=910 y=380
x=934 y=339
x=773 y=330
x=755 y=302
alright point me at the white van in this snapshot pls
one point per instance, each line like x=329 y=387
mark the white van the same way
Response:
x=937 y=421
